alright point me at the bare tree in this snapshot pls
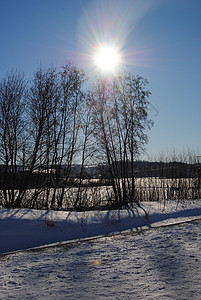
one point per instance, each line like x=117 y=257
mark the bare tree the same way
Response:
x=11 y=133
x=42 y=121
x=54 y=100
x=120 y=112
x=72 y=99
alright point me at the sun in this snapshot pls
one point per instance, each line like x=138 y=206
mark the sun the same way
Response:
x=107 y=59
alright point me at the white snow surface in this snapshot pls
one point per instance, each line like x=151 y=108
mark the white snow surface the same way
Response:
x=27 y=228
x=154 y=264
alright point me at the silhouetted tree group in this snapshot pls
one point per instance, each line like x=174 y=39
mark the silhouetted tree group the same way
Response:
x=57 y=119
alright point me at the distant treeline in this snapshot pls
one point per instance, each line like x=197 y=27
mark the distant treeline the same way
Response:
x=95 y=175
x=160 y=169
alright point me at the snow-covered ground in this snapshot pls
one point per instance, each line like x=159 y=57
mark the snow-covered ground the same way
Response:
x=26 y=228
x=156 y=264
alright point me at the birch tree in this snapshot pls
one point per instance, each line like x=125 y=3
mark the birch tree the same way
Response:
x=120 y=113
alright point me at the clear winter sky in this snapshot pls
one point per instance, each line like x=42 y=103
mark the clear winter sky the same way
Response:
x=158 y=39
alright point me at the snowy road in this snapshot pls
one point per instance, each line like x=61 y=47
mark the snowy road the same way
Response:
x=157 y=264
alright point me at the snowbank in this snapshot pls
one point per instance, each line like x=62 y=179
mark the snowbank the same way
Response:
x=26 y=228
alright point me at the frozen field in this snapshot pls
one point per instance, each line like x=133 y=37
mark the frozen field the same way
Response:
x=163 y=263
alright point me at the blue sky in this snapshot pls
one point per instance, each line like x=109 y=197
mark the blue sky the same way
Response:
x=158 y=39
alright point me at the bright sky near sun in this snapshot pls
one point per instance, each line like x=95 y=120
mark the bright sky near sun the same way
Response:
x=157 y=39
x=106 y=59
